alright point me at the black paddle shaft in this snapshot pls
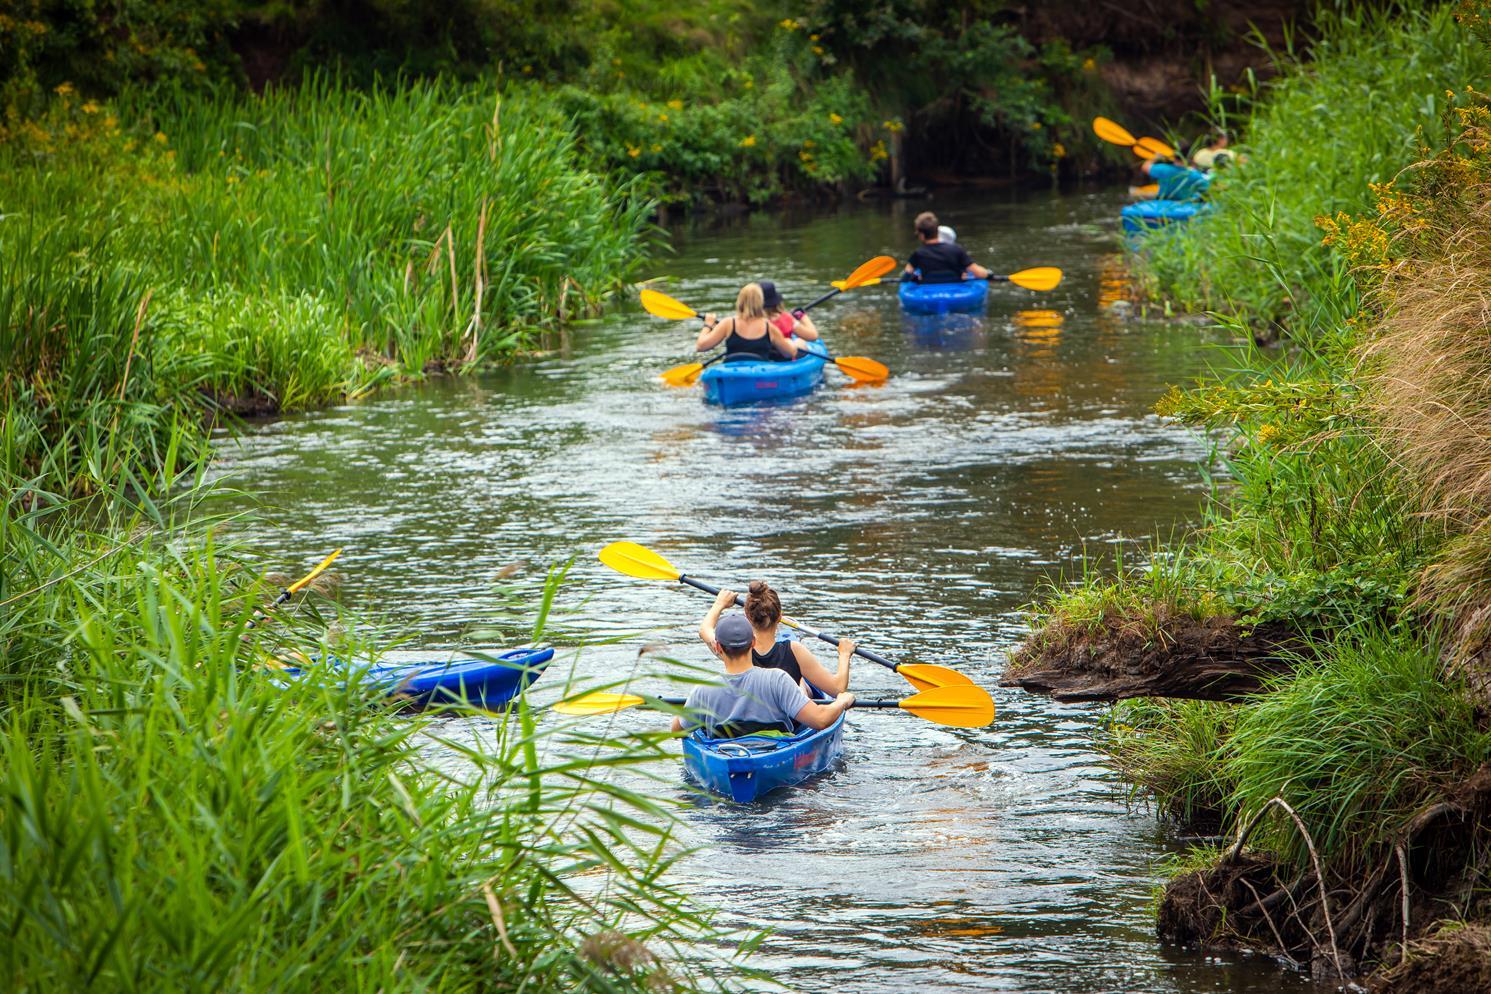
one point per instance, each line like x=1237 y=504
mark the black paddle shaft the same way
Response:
x=831 y=639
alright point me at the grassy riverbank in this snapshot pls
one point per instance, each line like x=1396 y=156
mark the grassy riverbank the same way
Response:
x=1352 y=513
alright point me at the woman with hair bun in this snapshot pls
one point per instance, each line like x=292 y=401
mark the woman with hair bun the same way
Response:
x=763 y=609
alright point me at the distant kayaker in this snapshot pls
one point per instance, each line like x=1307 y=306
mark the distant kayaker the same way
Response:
x=747 y=331
x=752 y=698
x=1177 y=182
x=763 y=609
x=789 y=323
x=1217 y=152
x=937 y=261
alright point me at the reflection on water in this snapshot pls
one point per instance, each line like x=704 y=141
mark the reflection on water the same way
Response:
x=919 y=515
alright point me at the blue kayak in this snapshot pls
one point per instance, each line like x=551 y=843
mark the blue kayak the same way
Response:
x=487 y=681
x=748 y=380
x=1151 y=214
x=939 y=298
x=749 y=767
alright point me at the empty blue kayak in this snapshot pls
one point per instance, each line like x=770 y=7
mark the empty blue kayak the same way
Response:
x=752 y=766
x=1151 y=214
x=746 y=381
x=487 y=681
x=939 y=298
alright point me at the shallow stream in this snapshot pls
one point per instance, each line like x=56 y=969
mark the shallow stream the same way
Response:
x=919 y=515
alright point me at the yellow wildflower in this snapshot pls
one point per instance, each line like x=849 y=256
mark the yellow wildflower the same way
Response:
x=809 y=143
x=656 y=147
x=790 y=24
x=160 y=137
x=805 y=155
x=1266 y=433
x=1035 y=125
x=527 y=68
x=1088 y=65
x=676 y=104
x=663 y=118
x=1058 y=150
x=633 y=151
x=749 y=84
x=90 y=108
x=749 y=141
x=616 y=62
x=878 y=152
x=835 y=119
x=64 y=90
x=232 y=179
x=893 y=127
x=817 y=49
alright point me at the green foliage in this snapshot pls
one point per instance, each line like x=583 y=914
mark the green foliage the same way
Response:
x=172 y=817
x=294 y=247
x=1356 y=742
x=1173 y=751
x=1316 y=140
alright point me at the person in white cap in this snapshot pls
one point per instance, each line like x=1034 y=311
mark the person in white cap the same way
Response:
x=751 y=699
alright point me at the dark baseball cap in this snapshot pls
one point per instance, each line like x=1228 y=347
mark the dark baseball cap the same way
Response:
x=770 y=297
x=734 y=633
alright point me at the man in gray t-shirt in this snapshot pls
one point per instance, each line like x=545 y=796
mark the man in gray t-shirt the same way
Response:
x=752 y=699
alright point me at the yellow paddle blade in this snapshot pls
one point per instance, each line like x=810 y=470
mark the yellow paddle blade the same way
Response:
x=1147 y=190
x=846 y=285
x=869 y=273
x=1039 y=278
x=957 y=707
x=590 y=704
x=862 y=369
x=1111 y=131
x=683 y=376
x=295 y=587
x=665 y=306
x=927 y=676
x=1153 y=146
x=635 y=560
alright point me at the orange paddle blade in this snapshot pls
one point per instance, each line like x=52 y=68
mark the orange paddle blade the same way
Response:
x=862 y=369
x=1111 y=131
x=1039 y=278
x=1153 y=146
x=928 y=676
x=967 y=706
x=665 y=306
x=869 y=273
x=842 y=285
x=683 y=376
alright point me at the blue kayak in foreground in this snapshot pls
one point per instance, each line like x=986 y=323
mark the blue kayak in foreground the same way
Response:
x=749 y=767
x=1152 y=214
x=746 y=381
x=487 y=681
x=940 y=298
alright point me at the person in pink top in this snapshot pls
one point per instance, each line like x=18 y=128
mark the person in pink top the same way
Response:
x=789 y=323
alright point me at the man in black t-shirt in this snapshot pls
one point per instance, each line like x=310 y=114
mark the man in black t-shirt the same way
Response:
x=938 y=261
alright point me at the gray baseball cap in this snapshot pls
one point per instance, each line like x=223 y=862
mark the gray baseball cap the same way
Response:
x=734 y=633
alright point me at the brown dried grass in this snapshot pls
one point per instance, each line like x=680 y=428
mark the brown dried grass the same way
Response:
x=1426 y=373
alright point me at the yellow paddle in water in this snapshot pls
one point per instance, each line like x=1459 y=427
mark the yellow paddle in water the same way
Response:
x=641 y=562
x=1117 y=134
x=856 y=367
x=963 y=706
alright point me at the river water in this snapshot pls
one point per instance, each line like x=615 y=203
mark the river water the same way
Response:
x=919 y=515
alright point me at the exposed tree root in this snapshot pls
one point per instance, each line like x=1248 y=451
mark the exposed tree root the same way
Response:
x=1176 y=656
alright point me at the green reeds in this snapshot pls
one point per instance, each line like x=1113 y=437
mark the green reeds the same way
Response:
x=173 y=818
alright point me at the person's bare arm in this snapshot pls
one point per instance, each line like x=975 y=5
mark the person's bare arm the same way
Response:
x=818 y=675
x=724 y=600
x=780 y=342
x=806 y=329
x=979 y=272
x=820 y=716
x=713 y=333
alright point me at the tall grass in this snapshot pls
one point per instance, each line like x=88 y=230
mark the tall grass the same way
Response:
x=1315 y=142
x=293 y=247
x=171 y=819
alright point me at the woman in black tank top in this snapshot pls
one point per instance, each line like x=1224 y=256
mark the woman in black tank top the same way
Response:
x=747 y=331
x=764 y=611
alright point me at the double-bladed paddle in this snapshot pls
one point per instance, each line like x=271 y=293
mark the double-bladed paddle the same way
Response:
x=641 y=562
x=856 y=367
x=1117 y=134
x=959 y=706
x=1040 y=278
